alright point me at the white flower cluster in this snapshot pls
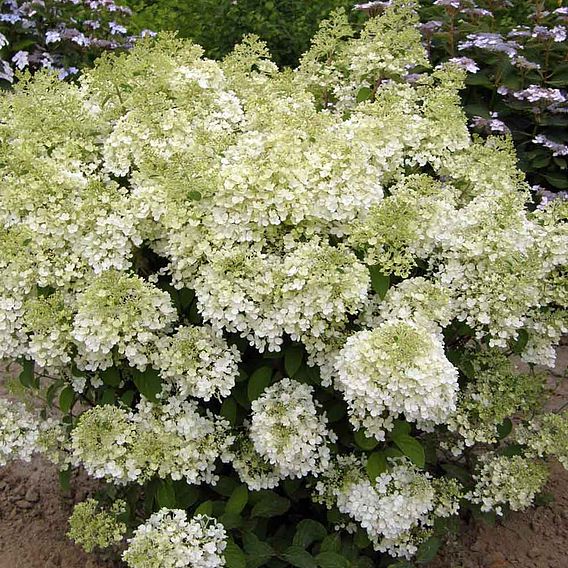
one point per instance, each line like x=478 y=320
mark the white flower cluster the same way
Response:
x=288 y=431
x=399 y=368
x=122 y=312
x=546 y=436
x=171 y=439
x=306 y=294
x=397 y=509
x=507 y=481
x=198 y=362
x=168 y=539
x=19 y=432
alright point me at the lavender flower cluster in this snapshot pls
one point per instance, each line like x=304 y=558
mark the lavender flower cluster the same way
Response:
x=60 y=35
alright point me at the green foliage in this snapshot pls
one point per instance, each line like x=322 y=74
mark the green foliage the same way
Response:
x=286 y=25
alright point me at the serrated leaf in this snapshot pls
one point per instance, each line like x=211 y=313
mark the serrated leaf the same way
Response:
x=376 y=465
x=66 y=399
x=505 y=428
x=111 y=377
x=206 y=508
x=186 y=495
x=411 y=448
x=364 y=442
x=331 y=543
x=364 y=94
x=238 y=500
x=165 y=495
x=149 y=383
x=108 y=396
x=257 y=552
x=331 y=560
x=297 y=556
x=258 y=381
x=521 y=341
x=293 y=357
x=234 y=556
x=229 y=410
x=270 y=505
x=65 y=479
x=26 y=377
x=428 y=550
x=379 y=281
x=308 y=531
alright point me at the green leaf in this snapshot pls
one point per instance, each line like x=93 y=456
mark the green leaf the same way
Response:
x=257 y=552
x=560 y=181
x=363 y=442
x=231 y=521
x=206 y=508
x=229 y=410
x=297 y=556
x=194 y=196
x=226 y=485
x=186 y=495
x=331 y=543
x=331 y=560
x=258 y=381
x=108 y=396
x=270 y=505
x=293 y=357
x=505 y=428
x=66 y=399
x=65 y=479
x=234 y=556
x=364 y=94
x=111 y=377
x=521 y=341
x=238 y=500
x=148 y=383
x=400 y=427
x=428 y=550
x=166 y=495
x=379 y=281
x=308 y=531
x=411 y=448
x=27 y=375
x=376 y=465
x=127 y=397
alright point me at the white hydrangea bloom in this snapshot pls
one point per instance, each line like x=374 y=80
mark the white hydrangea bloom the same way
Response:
x=197 y=361
x=19 y=432
x=396 y=510
x=121 y=312
x=512 y=481
x=398 y=368
x=288 y=430
x=168 y=539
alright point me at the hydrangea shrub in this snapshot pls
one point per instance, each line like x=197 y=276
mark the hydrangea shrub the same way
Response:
x=273 y=311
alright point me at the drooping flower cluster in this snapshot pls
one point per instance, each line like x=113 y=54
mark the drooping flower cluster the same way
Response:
x=168 y=539
x=546 y=436
x=19 y=432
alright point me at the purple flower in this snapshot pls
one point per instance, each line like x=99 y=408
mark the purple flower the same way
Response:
x=490 y=42
x=556 y=148
x=116 y=28
x=536 y=94
x=52 y=37
x=465 y=63
x=370 y=6
x=491 y=125
x=428 y=28
x=21 y=59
